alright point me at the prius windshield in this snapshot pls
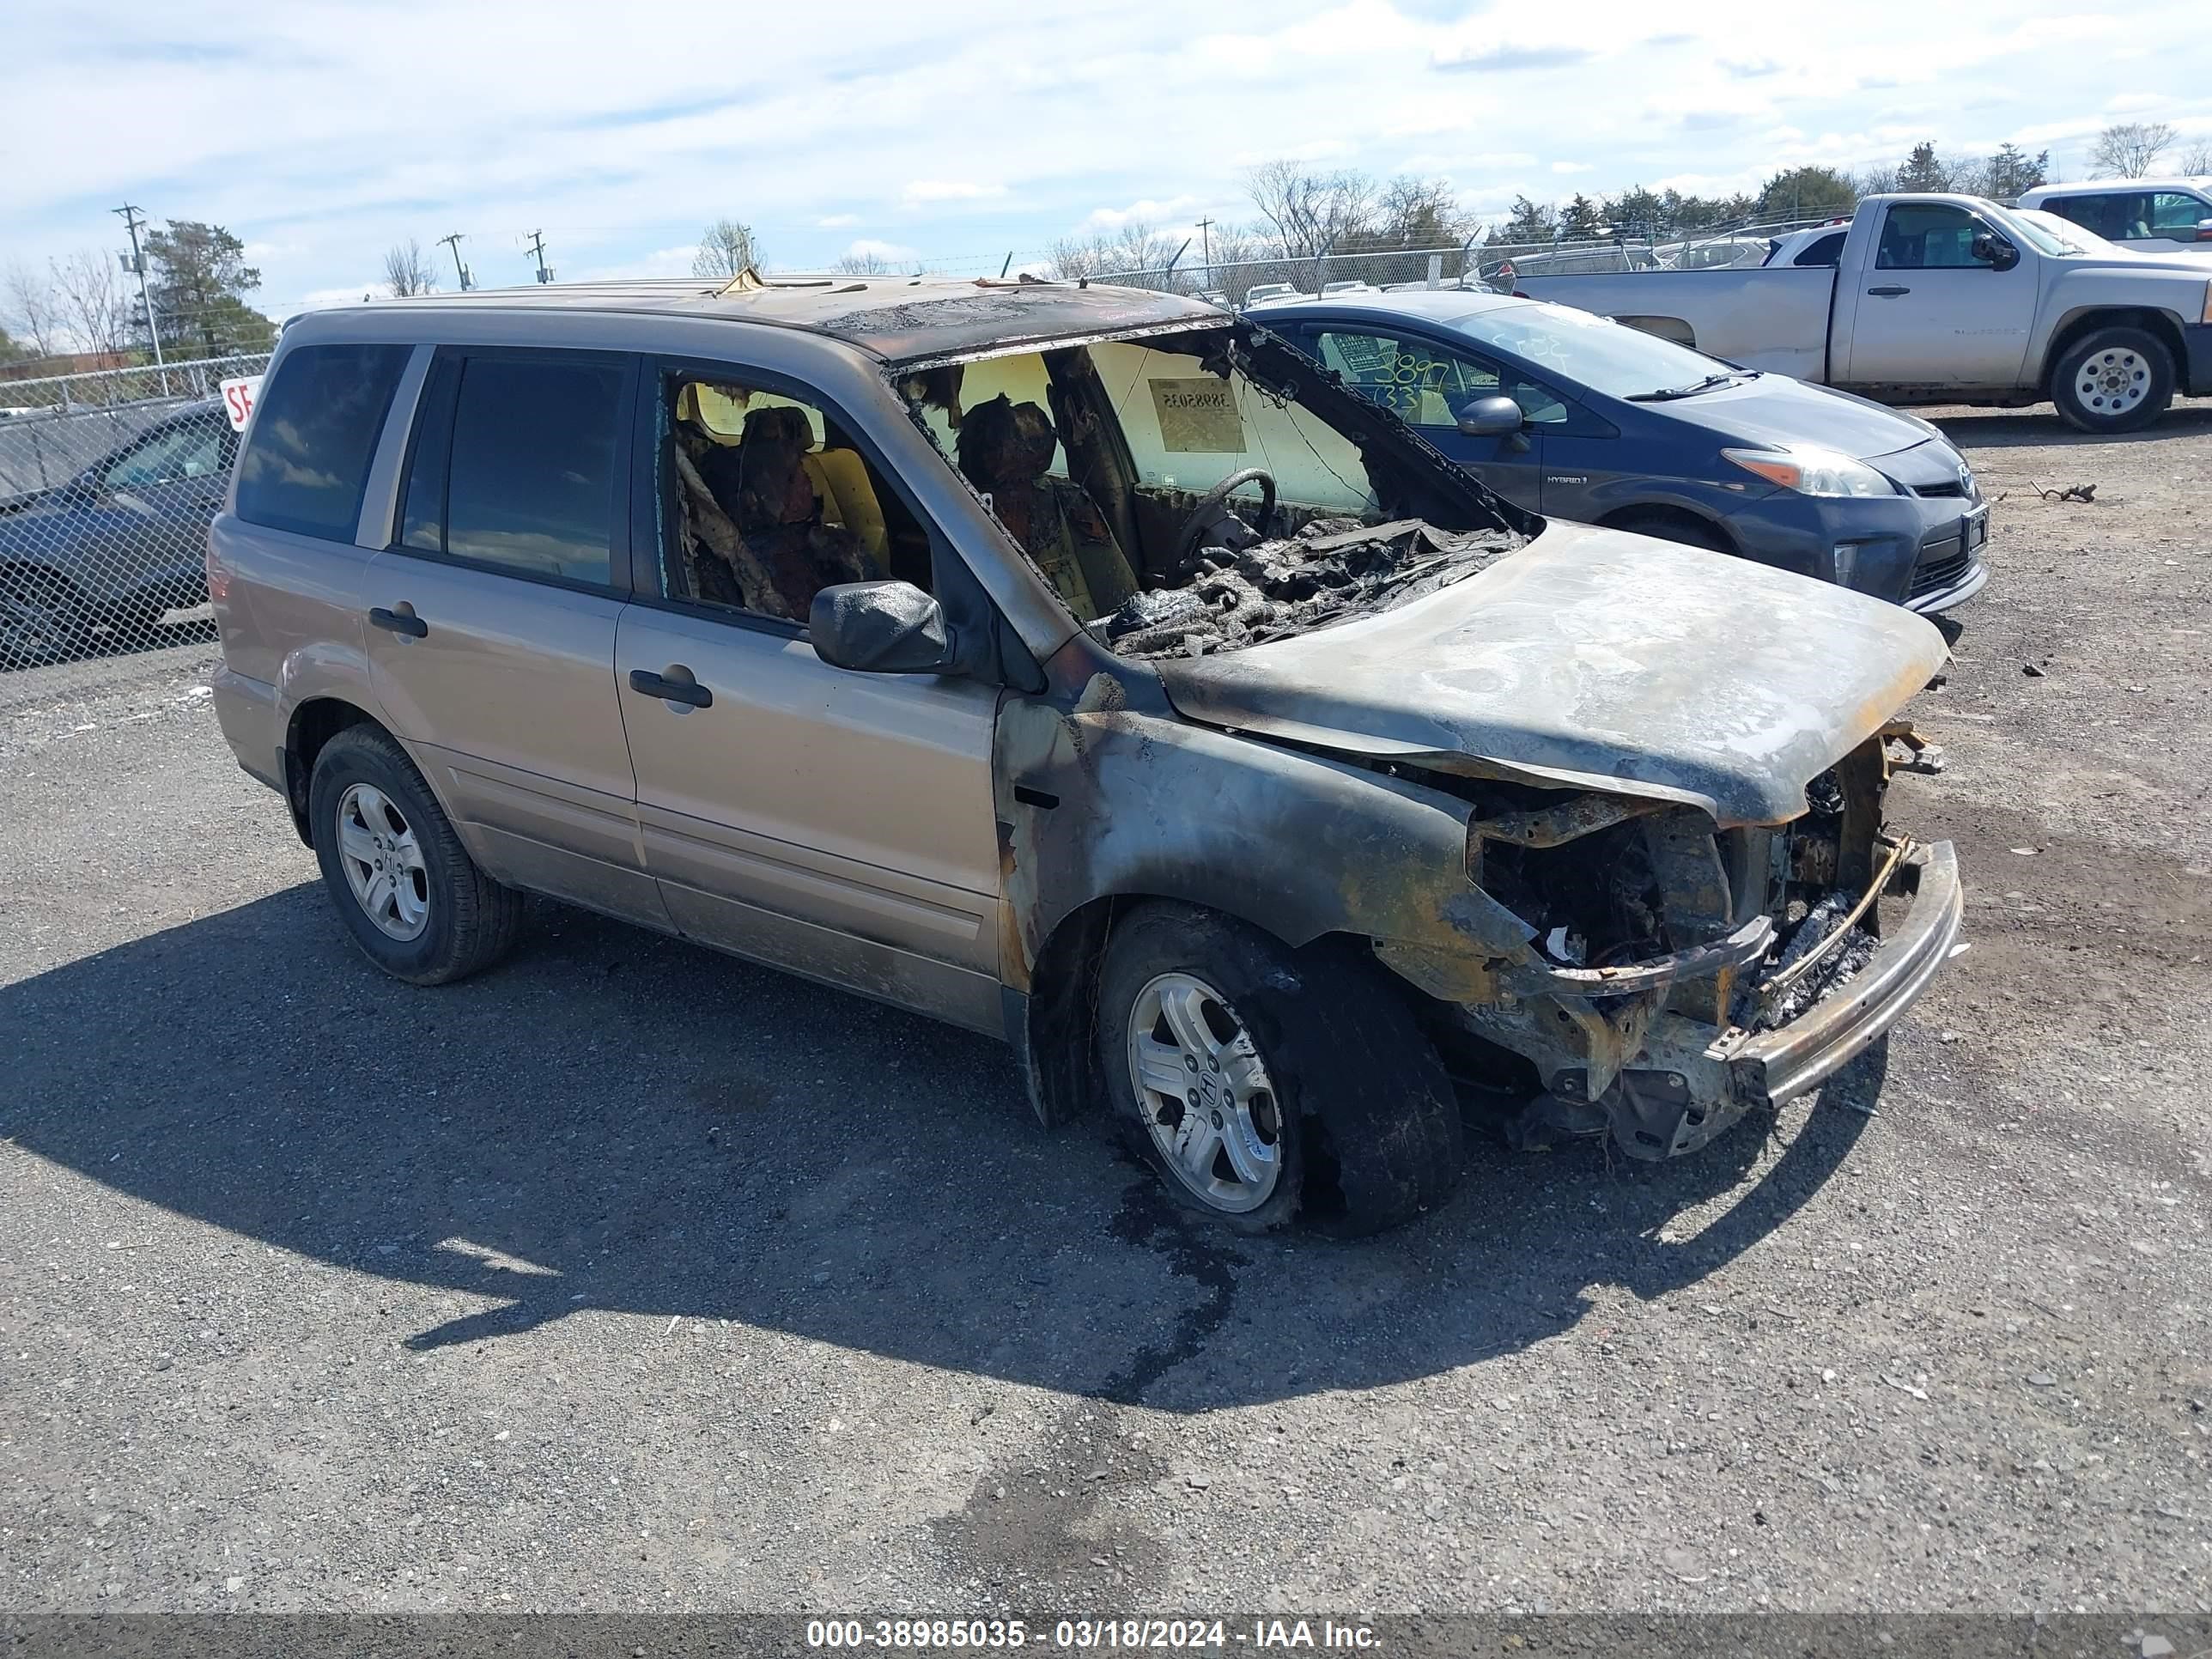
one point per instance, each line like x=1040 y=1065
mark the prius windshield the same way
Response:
x=1592 y=351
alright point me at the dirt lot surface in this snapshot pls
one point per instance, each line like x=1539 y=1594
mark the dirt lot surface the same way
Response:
x=630 y=1276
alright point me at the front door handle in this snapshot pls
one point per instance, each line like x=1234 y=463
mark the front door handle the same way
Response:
x=1890 y=292
x=399 y=622
x=658 y=685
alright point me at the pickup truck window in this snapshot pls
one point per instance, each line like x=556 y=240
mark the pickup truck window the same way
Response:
x=1927 y=236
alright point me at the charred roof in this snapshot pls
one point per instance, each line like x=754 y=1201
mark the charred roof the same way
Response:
x=900 y=320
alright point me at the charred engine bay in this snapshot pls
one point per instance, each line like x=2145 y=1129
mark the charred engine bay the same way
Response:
x=1333 y=569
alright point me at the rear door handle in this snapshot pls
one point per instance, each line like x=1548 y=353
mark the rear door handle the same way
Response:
x=399 y=622
x=1890 y=292
x=658 y=685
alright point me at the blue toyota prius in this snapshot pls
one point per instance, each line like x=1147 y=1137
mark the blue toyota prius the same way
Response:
x=1579 y=417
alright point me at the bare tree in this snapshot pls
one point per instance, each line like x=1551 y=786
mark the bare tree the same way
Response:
x=33 y=310
x=1419 y=212
x=2131 y=149
x=1311 y=212
x=726 y=247
x=94 y=304
x=407 y=270
x=863 y=261
x=2197 y=160
x=1135 y=247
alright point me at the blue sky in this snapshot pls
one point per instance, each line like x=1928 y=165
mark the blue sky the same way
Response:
x=320 y=133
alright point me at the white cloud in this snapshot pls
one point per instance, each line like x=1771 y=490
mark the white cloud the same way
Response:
x=922 y=191
x=1574 y=167
x=1145 y=211
x=837 y=221
x=867 y=248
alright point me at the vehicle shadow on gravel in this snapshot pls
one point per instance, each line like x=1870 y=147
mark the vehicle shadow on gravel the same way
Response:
x=2042 y=428
x=617 y=1122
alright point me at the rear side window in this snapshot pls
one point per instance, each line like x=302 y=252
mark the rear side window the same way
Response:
x=530 y=462
x=314 y=434
x=1821 y=251
x=2103 y=215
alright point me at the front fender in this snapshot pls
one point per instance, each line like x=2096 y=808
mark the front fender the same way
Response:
x=1105 y=799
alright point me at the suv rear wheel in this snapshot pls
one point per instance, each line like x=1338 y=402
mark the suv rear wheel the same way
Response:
x=2114 y=380
x=1260 y=1082
x=407 y=892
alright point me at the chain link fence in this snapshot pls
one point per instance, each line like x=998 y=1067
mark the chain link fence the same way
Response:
x=109 y=480
x=1494 y=265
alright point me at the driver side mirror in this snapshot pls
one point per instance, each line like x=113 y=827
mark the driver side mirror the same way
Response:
x=1489 y=418
x=1993 y=251
x=2205 y=230
x=880 y=628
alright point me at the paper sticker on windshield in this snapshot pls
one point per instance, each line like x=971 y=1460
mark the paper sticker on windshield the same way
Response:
x=1198 y=416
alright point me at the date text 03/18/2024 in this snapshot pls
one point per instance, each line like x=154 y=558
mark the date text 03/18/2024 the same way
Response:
x=1216 y=1635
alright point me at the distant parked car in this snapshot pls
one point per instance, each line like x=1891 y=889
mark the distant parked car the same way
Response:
x=2144 y=215
x=1822 y=244
x=117 y=545
x=1330 y=290
x=1260 y=293
x=1719 y=254
x=1577 y=417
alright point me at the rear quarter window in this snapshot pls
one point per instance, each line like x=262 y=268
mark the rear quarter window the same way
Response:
x=307 y=457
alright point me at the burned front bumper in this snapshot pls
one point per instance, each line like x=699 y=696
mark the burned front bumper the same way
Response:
x=1648 y=1050
x=1777 y=1065
x=1692 y=1080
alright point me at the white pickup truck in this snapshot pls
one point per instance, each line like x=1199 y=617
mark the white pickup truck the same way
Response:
x=1941 y=298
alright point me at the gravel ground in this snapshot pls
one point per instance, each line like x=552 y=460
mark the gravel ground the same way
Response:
x=628 y=1276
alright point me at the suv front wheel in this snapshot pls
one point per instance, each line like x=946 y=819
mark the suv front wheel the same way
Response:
x=407 y=892
x=1261 y=1082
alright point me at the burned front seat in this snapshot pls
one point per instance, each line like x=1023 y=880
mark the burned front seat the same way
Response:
x=789 y=548
x=1004 y=448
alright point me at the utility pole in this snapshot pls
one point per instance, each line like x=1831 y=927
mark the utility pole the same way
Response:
x=131 y=216
x=1205 y=245
x=454 y=242
x=537 y=247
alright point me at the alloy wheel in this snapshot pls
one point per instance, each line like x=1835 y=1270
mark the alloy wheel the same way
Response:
x=1208 y=1103
x=383 y=862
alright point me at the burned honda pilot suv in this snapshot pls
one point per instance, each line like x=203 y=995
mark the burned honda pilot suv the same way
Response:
x=1086 y=666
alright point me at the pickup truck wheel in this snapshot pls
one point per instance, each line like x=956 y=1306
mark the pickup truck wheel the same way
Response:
x=407 y=892
x=2114 y=380
x=1260 y=1081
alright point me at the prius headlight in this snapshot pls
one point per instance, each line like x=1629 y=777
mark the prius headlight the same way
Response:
x=1812 y=471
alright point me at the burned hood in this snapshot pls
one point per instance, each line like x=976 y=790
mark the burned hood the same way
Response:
x=1597 y=659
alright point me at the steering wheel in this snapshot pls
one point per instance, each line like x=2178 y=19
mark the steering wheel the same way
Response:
x=1212 y=507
